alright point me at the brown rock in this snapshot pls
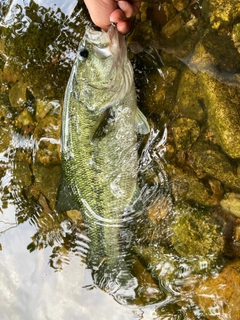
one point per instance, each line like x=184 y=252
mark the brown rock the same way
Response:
x=218 y=296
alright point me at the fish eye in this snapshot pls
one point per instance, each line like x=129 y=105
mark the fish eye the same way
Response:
x=83 y=53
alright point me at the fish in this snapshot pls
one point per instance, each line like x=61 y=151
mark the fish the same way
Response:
x=100 y=125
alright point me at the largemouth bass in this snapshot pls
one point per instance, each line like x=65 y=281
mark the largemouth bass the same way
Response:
x=99 y=146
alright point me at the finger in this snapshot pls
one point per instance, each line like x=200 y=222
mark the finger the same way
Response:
x=130 y=9
x=117 y=16
x=124 y=27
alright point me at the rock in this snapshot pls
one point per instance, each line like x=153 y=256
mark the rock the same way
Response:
x=218 y=296
x=185 y=133
x=46 y=183
x=222 y=12
x=162 y=264
x=208 y=161
x=236 y=36
x=180 y=5
x=173 y=26
x=223 y=107
x=187 y=187
x=18 y=95
x=161 y=90
x=5 y=132
x=22 y=175
x=44 y=108
x=231 y=203
x=195 y=235
x=75 y=215
x=10 y=74
x=147 y=291
x=24 y=119
x=190 y=96
x=158 y=210
x=216 y=55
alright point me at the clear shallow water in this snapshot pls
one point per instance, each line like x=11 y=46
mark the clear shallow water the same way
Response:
x=42 y=267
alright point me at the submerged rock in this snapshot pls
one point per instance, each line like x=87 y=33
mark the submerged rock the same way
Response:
x=185 y=133
x=46 y=181
x=190 y=96
x=218 y=296
x=187 y=187
x=231 y=203
x=223 y=107
x=223 y=12
x=196 y=236
x=18 y=95
x=208 y=161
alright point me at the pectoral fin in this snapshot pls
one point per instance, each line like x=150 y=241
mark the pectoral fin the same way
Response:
x=141 y=123
x=103 y=124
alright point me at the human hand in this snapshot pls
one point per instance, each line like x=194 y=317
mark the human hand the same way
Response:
x=105 y=12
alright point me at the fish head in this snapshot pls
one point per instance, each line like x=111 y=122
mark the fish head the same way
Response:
x=104 y=73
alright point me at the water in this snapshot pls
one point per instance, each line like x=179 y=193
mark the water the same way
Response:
x=43 y=254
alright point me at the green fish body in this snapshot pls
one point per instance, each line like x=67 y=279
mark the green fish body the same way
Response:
x=99 y=141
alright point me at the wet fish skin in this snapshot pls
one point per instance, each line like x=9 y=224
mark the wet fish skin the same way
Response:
x=99 y=138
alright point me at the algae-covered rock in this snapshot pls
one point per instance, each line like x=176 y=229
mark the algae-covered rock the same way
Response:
x=147 y=291
x=223 y=106
x=185 y=186
x=236 y=36
x=160 y=91
x=22 y=174
x=163 y=265
x=189 y=96
x=5 y=133
x=45 y=107
x=231 y=203
x=46 y=182
x=24 y=119
x=185 y=133
x=159 y=209
x=180 y=4
x=208 y=161
x=196 y=236
x=218 y=296
x=223 y=12
x=18 y=94
x=216 y=55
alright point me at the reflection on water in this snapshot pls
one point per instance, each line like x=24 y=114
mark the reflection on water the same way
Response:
x=185 y=245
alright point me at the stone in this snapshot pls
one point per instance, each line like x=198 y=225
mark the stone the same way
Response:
x=180 y=5
x=231 y=203
x=218 y=296
x=24 y=119
x=189 y=97
x=185 y=133
x=223 y=107
x=187 y=187
x=209 y=161
x=216 y=55
x=161 y=90
x=222 y=12
x=236 y=36
x=194 y=234
x=46 y=183
x=18 y=95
